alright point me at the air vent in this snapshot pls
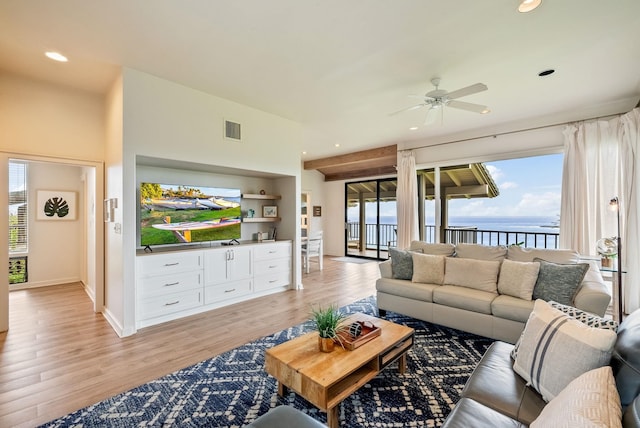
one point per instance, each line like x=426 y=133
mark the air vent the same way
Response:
x=232 y=131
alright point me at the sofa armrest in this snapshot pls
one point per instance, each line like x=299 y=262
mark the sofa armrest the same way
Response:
x=593 y=296
x=385 y=269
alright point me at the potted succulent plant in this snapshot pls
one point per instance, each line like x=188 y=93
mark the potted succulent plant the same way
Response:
x=328 y=321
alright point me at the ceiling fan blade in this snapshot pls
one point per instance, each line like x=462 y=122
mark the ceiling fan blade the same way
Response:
x=477 y=108
x=407 y=109
x=473 y=89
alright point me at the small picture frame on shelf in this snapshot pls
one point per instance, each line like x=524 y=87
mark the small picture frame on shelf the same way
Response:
x=269 y=211
x=317 y=211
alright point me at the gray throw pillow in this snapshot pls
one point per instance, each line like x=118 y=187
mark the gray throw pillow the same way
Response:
x=401 y=263
x=559 y=282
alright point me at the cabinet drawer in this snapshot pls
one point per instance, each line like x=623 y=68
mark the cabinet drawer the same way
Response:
x=272 y=251
x=217 y=293
x=265 y=267
x=162 y=264
x=165 y=284
x=169 y=303
x=266 y=282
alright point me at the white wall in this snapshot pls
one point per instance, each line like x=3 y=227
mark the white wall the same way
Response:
x=56 y=247
x=165 y=120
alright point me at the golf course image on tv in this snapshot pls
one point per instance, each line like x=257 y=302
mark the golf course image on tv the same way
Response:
x=178 y=214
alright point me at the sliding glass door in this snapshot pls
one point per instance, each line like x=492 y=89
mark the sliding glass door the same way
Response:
x=370 y=218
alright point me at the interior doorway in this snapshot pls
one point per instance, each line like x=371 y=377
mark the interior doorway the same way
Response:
x=87 y=195
x=370 y=218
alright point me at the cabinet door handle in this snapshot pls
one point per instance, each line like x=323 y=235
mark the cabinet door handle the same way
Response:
x=272 y=281
x=173 y=283
x=230 y=291
x=172 y=303
x=172 y=264
x=272 y=251
x=272 y=267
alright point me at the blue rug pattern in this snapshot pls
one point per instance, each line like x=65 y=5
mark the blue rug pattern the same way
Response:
x=232 y=389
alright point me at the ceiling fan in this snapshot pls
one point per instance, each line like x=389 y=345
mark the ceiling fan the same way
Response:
x=437 y=99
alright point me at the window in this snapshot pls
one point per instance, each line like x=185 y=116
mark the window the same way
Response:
x=17 y=207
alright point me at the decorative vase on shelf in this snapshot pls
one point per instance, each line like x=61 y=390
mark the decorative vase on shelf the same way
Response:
x=607 y=248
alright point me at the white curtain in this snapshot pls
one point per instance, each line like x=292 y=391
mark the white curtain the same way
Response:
x=601 y=162
x=407 y=199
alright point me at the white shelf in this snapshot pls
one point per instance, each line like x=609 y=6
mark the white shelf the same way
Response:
x=258 y=196
x=260 y=219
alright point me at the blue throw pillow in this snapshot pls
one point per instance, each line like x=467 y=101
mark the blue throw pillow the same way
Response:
x=559 y=282
x=401 y=263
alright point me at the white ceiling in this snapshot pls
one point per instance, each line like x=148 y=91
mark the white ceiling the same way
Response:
x=340 y=67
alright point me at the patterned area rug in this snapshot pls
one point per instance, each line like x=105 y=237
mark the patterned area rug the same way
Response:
x=232 y=389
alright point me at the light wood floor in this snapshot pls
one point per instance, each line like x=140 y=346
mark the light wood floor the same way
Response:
x=59 y=356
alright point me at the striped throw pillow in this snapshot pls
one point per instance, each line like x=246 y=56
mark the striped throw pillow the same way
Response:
x=555 y=349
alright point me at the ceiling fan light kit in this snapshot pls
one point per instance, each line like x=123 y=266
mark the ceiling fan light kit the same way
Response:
x=528 y=5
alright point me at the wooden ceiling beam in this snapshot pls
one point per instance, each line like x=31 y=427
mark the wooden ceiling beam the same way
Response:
x=389 y=153
x=360 y=173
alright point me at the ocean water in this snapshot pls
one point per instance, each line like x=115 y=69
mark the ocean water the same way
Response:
x=524 y=224
x=532 y=224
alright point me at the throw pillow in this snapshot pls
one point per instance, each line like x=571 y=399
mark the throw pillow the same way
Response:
x=478 y=274
x=590 y=400
x=559 y=282
x=555 y=349
x=580 y=315
x=517 y=279
x=401 y=263
x=428 y=269
x=585 y=317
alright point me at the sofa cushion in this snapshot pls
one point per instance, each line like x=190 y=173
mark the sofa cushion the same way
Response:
x=517 y=279
x=466 y=298
x=521 y=254
x=481 y=252
x=590 y=400
x=401 y=263
x=478 y=274
x=512 y=308
x=555 y=349
x=433 y=249
x=495 y=384
x=404 y=288
x=559 y=282
x=428 y=268
x=470 y=413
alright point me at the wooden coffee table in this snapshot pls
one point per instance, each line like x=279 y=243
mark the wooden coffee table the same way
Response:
x=325 y=379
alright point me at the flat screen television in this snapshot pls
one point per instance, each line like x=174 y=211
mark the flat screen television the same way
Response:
x=181 y=214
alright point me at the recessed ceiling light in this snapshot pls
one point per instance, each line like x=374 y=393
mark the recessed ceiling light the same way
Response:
x=546 y=72
x=337 y=144
x=528 y=5
x=304 y=153
x=413 y=128
x=56 y=56
x=485 y=111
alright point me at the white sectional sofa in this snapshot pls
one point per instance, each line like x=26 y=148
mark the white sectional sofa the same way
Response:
x=486 y=290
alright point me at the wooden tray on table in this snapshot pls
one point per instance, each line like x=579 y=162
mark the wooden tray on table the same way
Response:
x=368 y=332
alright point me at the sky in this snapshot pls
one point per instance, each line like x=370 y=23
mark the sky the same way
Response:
x=528 y=187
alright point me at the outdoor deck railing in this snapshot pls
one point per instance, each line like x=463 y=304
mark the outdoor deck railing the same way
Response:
x=455 y=235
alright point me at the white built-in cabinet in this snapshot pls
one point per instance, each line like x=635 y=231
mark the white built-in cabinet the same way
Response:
x=175 y=284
